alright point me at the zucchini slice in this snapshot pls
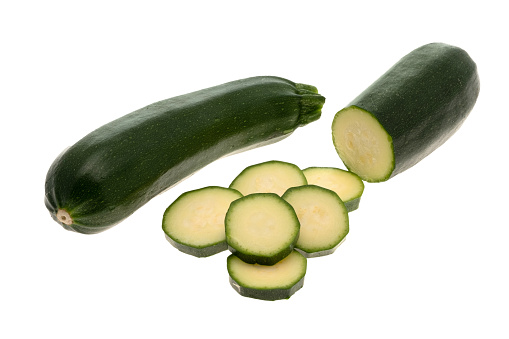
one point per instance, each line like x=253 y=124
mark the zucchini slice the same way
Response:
x=261 y=228
x=268 y=177
x=279 y=281
x=407 y=113
x=347 y=185
x=194 y=222
x=323 y=219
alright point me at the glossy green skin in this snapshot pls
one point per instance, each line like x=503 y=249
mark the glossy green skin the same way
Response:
x=116 y=169
x=422 y=100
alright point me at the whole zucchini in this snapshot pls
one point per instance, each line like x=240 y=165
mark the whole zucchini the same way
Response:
x=114 y=170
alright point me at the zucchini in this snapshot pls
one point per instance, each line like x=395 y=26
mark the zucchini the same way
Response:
x=407 y=113
x=194 y=222
x=323 y=219
x=261 y=228
x=276 y=282
x=268 y=177
x=111 y=172
x=347 y=185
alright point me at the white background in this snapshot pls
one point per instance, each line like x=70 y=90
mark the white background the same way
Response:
x=427 y=254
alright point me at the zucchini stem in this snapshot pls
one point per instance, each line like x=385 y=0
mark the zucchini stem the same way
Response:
x=64 y=217
x=311 y=104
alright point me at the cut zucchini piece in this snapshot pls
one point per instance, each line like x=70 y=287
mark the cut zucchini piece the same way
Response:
x=261 y=228
x=323 y=218
x=269 y=177
x=194 y=222
x=347 y=185
x=279 y=281
x=407 y=113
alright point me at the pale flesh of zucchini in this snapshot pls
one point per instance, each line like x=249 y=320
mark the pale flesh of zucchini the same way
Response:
x=196 y=219
x=363 y=144
x=347 y=185
x=268 y=177
x=261 y=228
x=323 y=218
x=278 y=281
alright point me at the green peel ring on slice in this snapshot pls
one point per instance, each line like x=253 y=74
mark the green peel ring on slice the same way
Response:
x=323 y=218
x=261 y=228
x=194 y=222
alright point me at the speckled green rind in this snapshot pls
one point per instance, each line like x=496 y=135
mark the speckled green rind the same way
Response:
x=256 y=258
x=111 y=172
x=353 y=203
x=421 y=102
x=270 y=294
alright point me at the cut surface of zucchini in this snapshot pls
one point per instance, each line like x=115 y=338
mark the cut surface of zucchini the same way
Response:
x=194 y=222
x=363 y=144
x=347 y=185
x=261 y=228
x=279 y=281
x=268 y=177
x=323 y=218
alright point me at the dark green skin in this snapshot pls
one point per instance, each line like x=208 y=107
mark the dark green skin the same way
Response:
x=422 y=100
x=116 y=169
